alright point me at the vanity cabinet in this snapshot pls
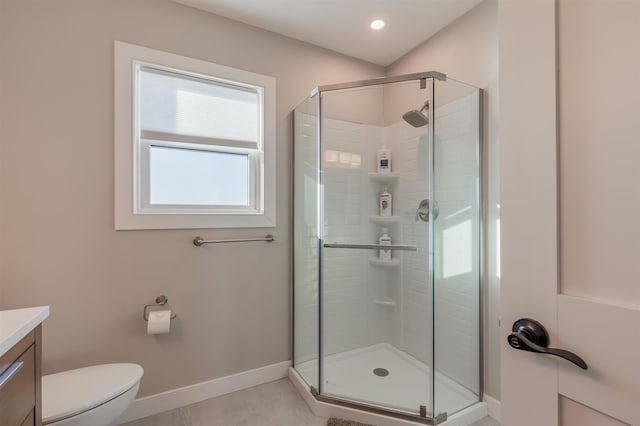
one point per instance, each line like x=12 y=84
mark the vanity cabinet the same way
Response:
x=20 y=382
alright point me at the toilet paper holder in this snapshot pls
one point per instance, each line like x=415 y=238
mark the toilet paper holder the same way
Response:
x=160 y=301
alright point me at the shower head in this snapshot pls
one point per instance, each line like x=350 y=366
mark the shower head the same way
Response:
x=417 y=118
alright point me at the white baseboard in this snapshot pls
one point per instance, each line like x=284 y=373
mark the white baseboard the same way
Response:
x=495 y=408
x=180 y=397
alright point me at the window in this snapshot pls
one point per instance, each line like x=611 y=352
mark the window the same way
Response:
x=195 y=143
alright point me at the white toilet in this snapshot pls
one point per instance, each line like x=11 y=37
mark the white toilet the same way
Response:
x=90 y=396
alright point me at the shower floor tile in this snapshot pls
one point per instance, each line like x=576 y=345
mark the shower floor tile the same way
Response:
x=349 y=375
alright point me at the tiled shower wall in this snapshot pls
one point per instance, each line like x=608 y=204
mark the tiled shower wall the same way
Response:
x=454 y=316
x=410 y=154
x=349 y=314
x=351 y=284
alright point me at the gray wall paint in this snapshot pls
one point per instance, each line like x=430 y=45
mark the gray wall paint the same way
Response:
x=467 y=50
x=58 y=245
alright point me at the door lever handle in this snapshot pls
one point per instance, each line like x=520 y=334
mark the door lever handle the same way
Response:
x=530 y=335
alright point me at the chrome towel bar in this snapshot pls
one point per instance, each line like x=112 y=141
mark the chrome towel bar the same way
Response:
x=370 y=246
x=198 y=241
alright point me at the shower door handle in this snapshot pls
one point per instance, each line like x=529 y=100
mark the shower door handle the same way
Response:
x=369 y=246
x=530 y=335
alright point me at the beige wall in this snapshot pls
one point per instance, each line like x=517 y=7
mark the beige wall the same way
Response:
x=467 y=51
x=58 y=246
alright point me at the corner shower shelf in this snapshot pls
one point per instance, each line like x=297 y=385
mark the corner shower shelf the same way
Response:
x=384 y=177
x=381 y=220
x=385 y=301
x=393 y=263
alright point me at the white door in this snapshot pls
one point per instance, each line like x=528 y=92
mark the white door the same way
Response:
x=570 y=208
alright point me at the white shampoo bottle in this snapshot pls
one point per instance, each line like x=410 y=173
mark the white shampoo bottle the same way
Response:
x=384 y=159
x=385 y=202
x=385 y=239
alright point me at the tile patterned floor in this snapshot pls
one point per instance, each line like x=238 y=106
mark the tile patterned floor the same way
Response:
x=272 y=404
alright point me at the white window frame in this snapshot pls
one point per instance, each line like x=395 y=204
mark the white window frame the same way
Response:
x=132 y=210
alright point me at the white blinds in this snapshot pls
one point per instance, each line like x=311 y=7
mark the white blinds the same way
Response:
x=184 y=108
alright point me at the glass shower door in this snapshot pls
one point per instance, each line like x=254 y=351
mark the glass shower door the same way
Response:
x=376 y=313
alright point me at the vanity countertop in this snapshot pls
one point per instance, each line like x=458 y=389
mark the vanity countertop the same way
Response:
x=17 y=323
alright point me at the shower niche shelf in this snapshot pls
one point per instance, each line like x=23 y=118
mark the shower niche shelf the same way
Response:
x=393 y=263
x=384 y=177
x=382 y=220
x=385 y=301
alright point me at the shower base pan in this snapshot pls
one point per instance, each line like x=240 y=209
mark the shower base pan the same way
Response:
x=360 y=375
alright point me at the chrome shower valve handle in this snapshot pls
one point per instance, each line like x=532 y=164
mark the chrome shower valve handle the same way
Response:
x=422 y=213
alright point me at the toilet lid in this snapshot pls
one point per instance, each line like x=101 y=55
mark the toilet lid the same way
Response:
x=72 y=392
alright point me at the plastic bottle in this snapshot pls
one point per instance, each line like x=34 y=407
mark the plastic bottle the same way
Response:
x=385 y=239
x=385 y=202
x=384 y=159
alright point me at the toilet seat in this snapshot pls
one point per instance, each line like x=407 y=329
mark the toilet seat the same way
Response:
x=70 y=393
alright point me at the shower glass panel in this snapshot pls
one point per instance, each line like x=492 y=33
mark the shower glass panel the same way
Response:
x=399 y=334
x=456 y=245
x=362 y=295
x=305 y=241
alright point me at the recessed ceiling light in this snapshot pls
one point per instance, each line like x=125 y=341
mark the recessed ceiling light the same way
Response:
x=377 y=24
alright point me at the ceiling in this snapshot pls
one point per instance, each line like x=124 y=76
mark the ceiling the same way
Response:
x=343 y=25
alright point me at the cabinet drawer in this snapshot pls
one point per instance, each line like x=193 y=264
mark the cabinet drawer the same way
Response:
x=18 y=395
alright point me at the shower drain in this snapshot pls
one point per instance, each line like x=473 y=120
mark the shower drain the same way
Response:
x=382 y=372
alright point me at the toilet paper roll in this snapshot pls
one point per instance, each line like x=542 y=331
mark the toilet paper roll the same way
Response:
x=159 y=322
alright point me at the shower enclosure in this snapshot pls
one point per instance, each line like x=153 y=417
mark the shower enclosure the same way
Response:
x=402 y=335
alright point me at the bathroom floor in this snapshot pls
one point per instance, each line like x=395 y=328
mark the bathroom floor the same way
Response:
x=272 y=404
